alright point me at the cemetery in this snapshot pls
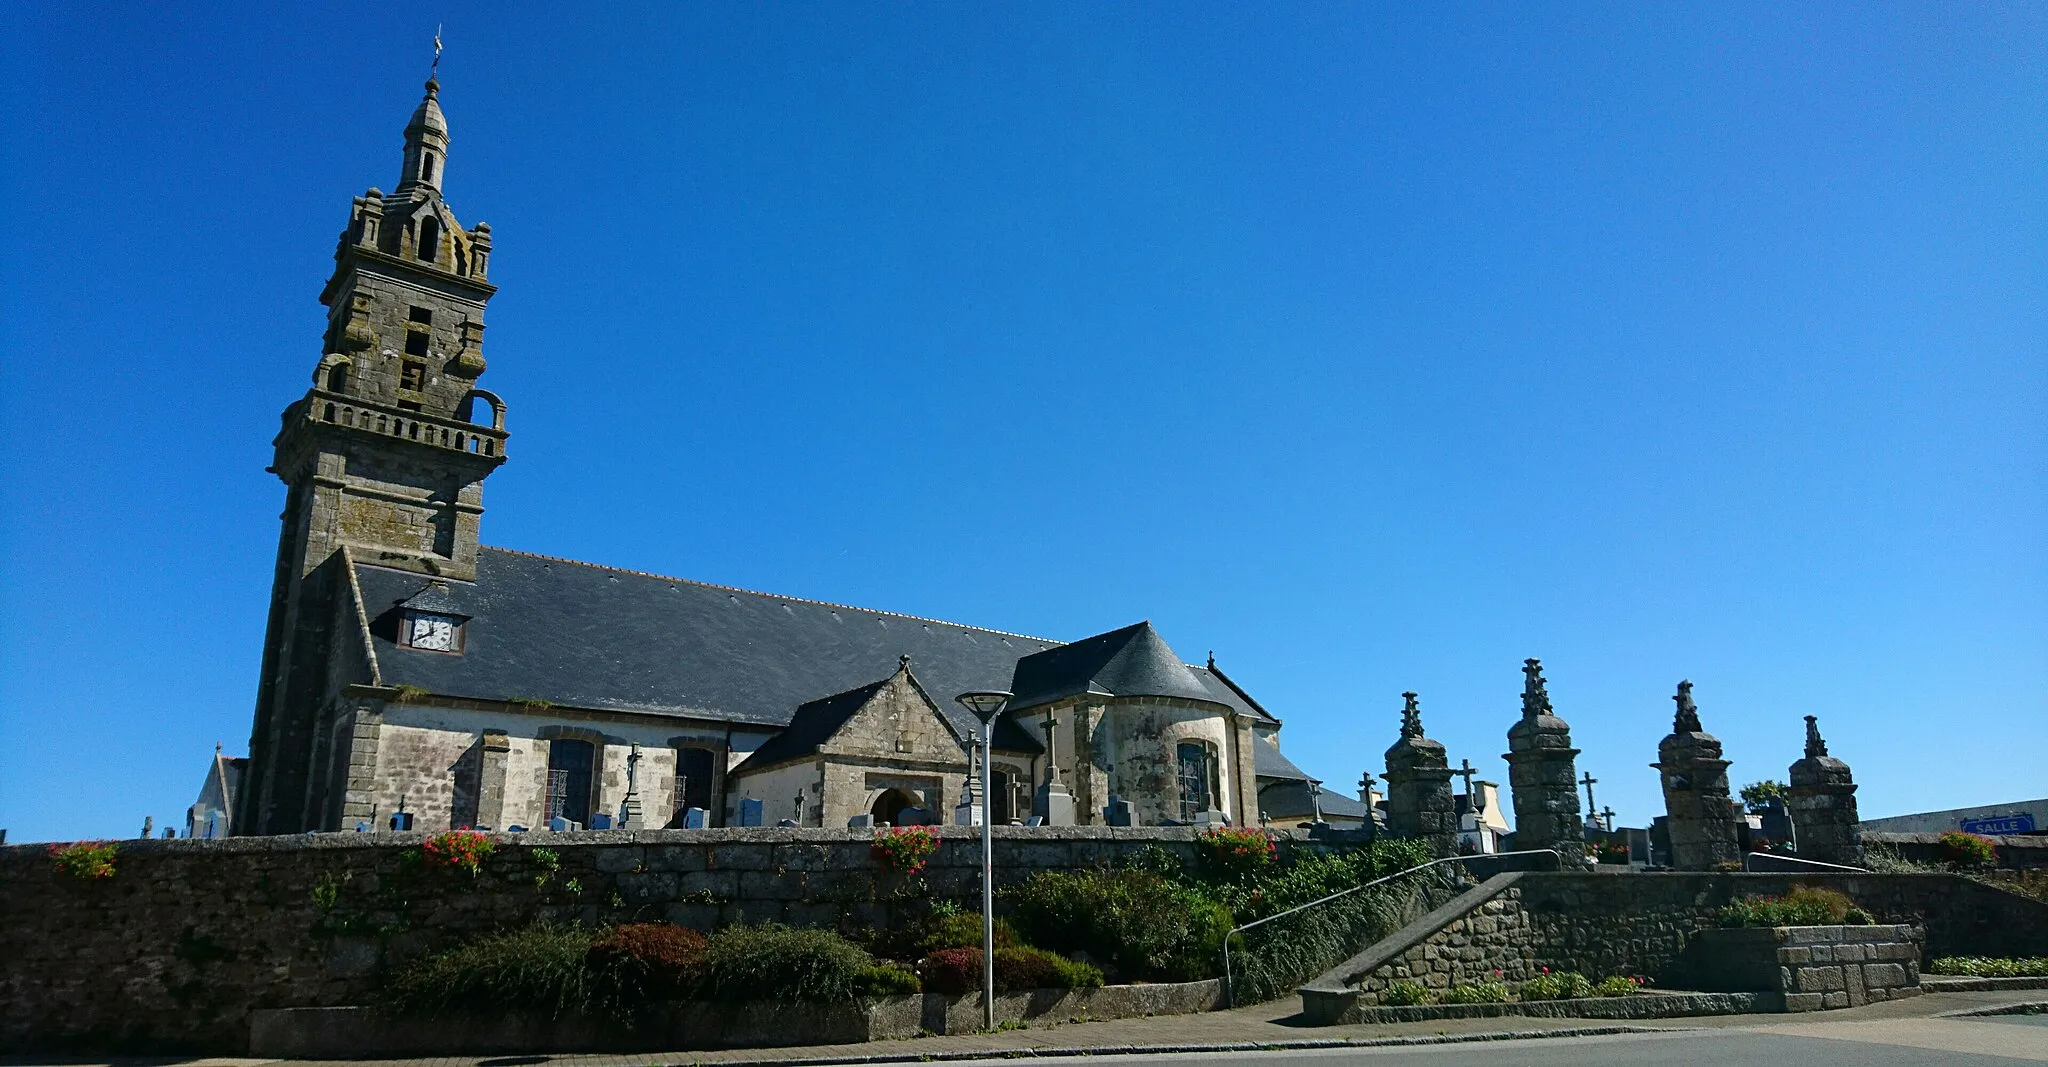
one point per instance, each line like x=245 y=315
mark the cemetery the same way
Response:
x=417 y=943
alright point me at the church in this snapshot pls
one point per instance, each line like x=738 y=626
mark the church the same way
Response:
x=409 y=668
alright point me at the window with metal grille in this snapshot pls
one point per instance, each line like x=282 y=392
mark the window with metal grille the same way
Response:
x=569 y=766
x=1196 y=771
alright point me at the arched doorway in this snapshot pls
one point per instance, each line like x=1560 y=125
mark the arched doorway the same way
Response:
x=891 y=803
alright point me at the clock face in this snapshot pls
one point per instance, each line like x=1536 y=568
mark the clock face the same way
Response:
x=433 y=632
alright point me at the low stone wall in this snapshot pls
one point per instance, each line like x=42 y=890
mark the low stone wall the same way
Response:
x=2023 y=852
x=357 y=1033
x=1810 y=968
x=1513 y=926
x=187 y=937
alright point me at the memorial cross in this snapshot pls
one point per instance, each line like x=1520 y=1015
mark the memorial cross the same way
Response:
x=1472 y=800
x=1588 y=781
x=1052 y=766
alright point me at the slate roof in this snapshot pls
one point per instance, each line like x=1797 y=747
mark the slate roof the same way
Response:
x=812 y=725
x=580 y=635
x=586 y=636
x=1132 y=661
x=1269 y=762
x=1288 y=800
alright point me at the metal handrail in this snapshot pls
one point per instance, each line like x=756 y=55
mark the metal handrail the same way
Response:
x=1747 y=856
x=1230 y=982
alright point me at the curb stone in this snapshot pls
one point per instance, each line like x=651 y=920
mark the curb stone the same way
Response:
x=1232 y=1046
x=2029 y=1007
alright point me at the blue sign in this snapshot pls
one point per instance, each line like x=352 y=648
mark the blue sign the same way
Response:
x=2022 y=823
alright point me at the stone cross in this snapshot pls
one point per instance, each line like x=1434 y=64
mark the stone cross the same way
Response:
x=1607 y=819
x=1315 y=799
x=633 y=769
x=1365 y=788
x=1052 y=766
x=1411 y=716
x=148 y=825
x=1466 y=771
x=1535 y=697
x=1814 y=745
x=1688 y=719
x=1588 y=781
x=798 y=817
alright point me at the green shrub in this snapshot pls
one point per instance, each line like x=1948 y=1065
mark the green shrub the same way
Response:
x=1401 y=994
x=1619 y=985
x=1803 y=906
x=1561 y=985
x=635 y=964
x=1983 y=967
x=887 y=979
x=1138 y=922
x=1034 y=968
x=1967 y=850
x=776 y=962
x=1856 y=916
x=1491 y=992
x=958 y=929
x=530 y=969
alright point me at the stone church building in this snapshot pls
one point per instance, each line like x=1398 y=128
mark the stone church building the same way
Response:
x=408 y=667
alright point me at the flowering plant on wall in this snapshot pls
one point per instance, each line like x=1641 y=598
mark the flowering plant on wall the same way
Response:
x=1237 y=850
x=464 y=849
x=904 y=849
x=1967 y=850
x=85 y=860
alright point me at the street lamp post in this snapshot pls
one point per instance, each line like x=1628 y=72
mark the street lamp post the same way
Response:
x=986 y=706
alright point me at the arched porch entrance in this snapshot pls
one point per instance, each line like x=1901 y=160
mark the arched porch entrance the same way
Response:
x=889 y=806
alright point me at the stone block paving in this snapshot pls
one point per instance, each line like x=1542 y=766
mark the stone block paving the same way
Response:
x=1243 y=1029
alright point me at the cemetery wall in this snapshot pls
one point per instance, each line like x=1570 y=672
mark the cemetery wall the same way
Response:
x=186 y=937
x=2025 y=852
x=1513 y=926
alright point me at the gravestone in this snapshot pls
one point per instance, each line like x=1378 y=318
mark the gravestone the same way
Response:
x=1118 y=812
x=860 y=822
x=913 y=817
x=600 y=821
x=750 y=811
x=1211 y=819
x=558 y=824
x=515 y=828
x=1705 y=824
x=1419 y=803
x=401 y=820
x=696 y=818
x=1053 y=806
x=1824 y=805
x=1543 y=775
x=786 y=824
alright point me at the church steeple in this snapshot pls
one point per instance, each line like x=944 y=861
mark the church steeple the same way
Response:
x=384 y=457
x=426 y=144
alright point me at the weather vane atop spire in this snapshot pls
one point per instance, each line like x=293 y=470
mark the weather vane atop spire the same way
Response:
x=434 y=72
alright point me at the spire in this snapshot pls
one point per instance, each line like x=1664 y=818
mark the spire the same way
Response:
x=1411 y=717
x=1688 y=718
x=1815 y=747
x=426 y=143
x=1535 y=698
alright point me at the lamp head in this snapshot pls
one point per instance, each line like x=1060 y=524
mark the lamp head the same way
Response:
x=985 y=704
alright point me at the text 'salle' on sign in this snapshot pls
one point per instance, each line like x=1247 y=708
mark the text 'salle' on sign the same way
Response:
x=2022 y=823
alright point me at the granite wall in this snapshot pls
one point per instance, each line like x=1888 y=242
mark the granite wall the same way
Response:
x=1514 y=925
x=175 y=949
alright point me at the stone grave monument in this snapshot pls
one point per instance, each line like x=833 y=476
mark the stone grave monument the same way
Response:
x=1543 y=776
x=1824 y=805
x=1703 y=817
x=1418 y=777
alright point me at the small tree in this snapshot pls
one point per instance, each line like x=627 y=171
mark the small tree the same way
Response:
x=1757 y=796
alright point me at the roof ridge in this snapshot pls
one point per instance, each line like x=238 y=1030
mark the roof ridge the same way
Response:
x=776 y=596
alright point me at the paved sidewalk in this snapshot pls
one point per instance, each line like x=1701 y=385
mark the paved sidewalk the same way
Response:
x=1274 y=1025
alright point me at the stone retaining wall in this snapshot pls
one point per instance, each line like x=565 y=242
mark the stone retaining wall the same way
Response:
x=2024 y=852
x=1601 y=924
x=1810 y=967
x=187 y=937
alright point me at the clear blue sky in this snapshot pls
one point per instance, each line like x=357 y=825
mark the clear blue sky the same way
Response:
x=1375 y=347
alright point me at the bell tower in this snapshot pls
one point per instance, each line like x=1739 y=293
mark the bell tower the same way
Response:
x=384 y=457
